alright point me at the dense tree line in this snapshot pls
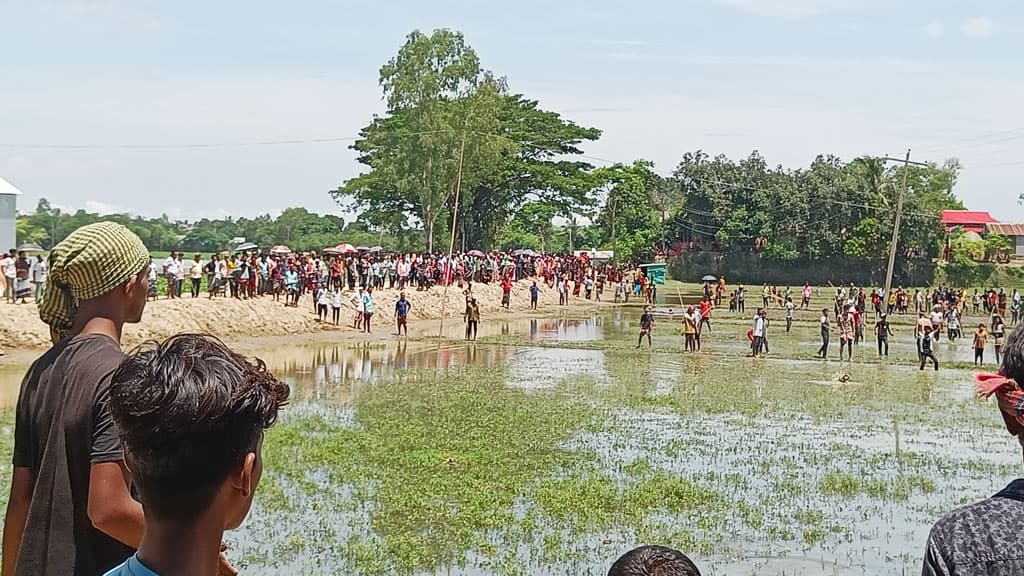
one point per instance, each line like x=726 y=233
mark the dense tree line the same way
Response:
x=458 y=146
x=295 y=227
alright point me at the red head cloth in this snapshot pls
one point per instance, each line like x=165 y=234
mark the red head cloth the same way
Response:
x=1010 y=397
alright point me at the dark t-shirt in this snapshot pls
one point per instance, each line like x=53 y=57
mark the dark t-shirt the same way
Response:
x=64 y=426
x=402 y=308
x=646 y=321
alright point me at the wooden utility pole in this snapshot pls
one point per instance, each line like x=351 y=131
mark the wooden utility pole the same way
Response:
x=899 y=218
x=451 y=240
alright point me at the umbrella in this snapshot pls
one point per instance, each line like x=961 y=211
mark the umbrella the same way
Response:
x=30 y=247
x=709 y=278
x=376 y=249
x=518 y=252
x=363 y=248
x=346 y=248
x=280 y=250
x=333 y=251
x=529 y=252
x=476 y=254
x=245 y=247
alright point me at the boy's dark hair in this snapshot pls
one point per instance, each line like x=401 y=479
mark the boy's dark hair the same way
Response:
x=1013 y=355
x=189 y=410
x=653 y=561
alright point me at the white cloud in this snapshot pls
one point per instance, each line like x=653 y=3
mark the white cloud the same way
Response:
x=787 y=9
x=116 y=13
x=711 y=59
x=104 y=208
x=980 y=27
x=934 y=29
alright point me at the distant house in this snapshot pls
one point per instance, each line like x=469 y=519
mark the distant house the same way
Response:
x=8 y=214
x=967 y=220
x=1015 y=232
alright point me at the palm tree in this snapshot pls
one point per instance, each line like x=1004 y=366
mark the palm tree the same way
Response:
x=872 y=174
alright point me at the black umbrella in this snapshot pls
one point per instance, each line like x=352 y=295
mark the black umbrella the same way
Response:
x=30 y=247
x=376 y=249
x=709 y=278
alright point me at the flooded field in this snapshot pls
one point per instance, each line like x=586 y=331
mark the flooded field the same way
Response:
x=552 y=445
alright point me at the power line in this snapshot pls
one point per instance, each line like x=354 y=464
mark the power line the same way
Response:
x=954 y=144
x=193 y=145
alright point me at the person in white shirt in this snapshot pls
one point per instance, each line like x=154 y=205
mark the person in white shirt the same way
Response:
x=357 y=303
x=171 y=267
x=8 y=263
x=937 y=319
x=195 y=274
x=789 y=314
x=336 y=301
x=323 y=300
x=39 y=276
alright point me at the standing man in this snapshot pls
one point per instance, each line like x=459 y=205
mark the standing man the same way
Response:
x=196 y=274
x=402 y=308
x=10 y=266
x=367 y=308
x=882 y=333
x=534 y=295
x=923 y=326
x=472 y=317
x=705 y=317
x=506 y=292
x=805 y=296
x=758 y=330
x=847 y=333
x=936 y=318
x=789 y=314
x=826 y=330
x=926 y=350
x=39 y=277
x=171 y=274
x=646 y=326
x=70 y=511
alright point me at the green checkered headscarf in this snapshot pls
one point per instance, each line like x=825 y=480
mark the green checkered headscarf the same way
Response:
x=89 y=263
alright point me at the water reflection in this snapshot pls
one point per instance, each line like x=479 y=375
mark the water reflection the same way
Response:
x=567 y=330
x=331 y=373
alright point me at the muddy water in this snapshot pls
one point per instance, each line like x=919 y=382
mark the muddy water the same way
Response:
x=949 y=438
x=967 y=458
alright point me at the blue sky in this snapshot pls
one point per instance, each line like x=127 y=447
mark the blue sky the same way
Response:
x=790 y=78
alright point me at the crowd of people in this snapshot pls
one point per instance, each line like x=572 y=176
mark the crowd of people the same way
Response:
x=136 y=465
x=335 y=279
x=98 y=488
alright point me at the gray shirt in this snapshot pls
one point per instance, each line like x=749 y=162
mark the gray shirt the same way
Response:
x=982 y=539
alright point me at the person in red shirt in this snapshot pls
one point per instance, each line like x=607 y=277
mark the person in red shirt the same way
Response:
x=705 y=314
x=506 y=292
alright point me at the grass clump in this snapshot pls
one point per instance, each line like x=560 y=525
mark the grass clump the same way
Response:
x=443 y=457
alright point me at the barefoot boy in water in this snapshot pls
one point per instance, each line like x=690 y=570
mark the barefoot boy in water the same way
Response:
x=980 y=338
x=646 y=325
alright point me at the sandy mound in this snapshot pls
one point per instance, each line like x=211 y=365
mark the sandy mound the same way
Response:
x=262 y=317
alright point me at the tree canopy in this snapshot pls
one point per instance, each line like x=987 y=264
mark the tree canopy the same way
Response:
x=298 y=228
x=830 y=209
x=452 y=126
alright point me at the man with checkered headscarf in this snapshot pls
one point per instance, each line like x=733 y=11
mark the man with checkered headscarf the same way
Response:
x=70 y=511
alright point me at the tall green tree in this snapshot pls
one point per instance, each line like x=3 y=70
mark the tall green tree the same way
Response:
x=455 y=143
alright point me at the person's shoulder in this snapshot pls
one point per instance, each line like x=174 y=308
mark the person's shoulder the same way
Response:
x=977 y=526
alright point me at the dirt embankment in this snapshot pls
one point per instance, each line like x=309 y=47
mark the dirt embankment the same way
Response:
x=230 y=319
